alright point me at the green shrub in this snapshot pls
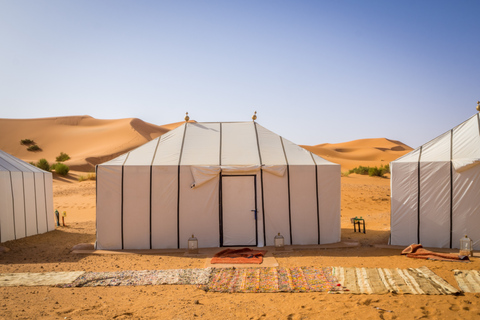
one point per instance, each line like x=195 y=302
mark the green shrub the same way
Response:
x=52 y=167
x=61 y=169
x=62 y=157
x=360 y=170
x=371 y=171
x=375 y=172
x=34 y=147
x=26 y=142
x=82 y=178
x=43 y=164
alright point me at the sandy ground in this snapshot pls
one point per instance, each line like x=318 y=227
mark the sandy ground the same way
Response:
x=361 y=196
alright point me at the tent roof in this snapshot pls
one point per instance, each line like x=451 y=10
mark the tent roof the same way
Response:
x=13 y=164
x=460 y=144
x=219 y=144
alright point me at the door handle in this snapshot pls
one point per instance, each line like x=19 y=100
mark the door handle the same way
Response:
x=255 y=211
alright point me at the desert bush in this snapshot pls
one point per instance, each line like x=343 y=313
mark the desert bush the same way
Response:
x=371 y=171
x=61 y=169
x=345 y=174
x=90 y=176
x=375 y=172
x=43 y=164
x=34 y=147
x=62 y=157
x=26 y=142
x=360 y=170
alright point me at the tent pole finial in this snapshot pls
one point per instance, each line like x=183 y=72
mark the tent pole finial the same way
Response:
x=186 y=117
x=478 y=106
x=254 y=117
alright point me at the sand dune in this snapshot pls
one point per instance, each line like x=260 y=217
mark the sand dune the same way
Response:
x=88 y=141
x=365 y=152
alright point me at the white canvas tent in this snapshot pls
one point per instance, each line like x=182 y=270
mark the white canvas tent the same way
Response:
x=436 y=190
x=26 y=199
x=229 y=184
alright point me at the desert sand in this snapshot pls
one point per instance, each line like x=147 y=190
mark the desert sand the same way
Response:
x=364 y=196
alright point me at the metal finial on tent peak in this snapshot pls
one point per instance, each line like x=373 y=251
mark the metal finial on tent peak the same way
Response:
x=478 y=106
x=186 y=116
x=254 y=117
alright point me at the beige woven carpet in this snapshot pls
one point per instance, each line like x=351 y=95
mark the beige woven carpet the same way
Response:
x=38 y=279
x=468 y=280
x=403 y=281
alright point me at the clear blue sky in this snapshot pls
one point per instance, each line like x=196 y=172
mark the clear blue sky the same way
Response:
x=316 y=71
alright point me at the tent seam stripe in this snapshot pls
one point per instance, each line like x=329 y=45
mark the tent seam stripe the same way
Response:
x=261 y=184
x=418 y=195
x=24 y=204
x=13 y=206
x=289 y=200
x=122 y=211
x=220 y=203
x=35 y=193
x=151 y=189
x=178 y=185
x=45 y=194
x=316 y=195
x=451 y=186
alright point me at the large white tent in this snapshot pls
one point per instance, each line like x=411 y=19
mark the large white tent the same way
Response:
x=26 y=199
x=436 y=190
x=228 y=183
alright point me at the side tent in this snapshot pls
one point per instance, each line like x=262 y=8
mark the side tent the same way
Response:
x=26 y=199
x=229 y=184
x=436 y=190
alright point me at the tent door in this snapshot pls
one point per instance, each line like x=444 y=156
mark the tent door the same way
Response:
x=239 y=211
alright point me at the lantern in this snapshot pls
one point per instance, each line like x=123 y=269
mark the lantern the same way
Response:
x=192 y=245
x=466 y=246
x=279 y=242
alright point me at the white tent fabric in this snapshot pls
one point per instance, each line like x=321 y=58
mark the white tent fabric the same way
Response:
x=436 y=190
x=228 y=183
x=26 y=199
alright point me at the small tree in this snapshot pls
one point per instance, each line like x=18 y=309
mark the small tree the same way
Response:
x=26 y=142
x=33 y=147
x=62 y=157
x=43 y=164
x=61 y=169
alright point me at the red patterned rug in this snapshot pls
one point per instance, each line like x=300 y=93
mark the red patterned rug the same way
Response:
x=239 y=256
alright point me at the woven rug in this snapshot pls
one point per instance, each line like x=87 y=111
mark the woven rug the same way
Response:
x=328 y=279
x=468 y=280
x=299 y=279
x=403 y=281
x=141 y=278
x=38 y=279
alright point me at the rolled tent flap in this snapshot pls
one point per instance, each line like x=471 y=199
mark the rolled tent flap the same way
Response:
x=461 y=165
x=203 y=174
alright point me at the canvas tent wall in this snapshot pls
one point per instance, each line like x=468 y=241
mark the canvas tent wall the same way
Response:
x=436 y=190
x=26 y=199
x=229 y=184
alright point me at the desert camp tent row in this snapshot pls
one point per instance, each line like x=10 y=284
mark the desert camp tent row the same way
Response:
x=436 y=190
x=228 y=183
x=26 y=199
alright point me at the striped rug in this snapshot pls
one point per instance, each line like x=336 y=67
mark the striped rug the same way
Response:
x=328 y=279
x=402 y=281
x=468 y=280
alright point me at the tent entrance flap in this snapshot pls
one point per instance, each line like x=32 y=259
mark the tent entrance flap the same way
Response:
x=239 y=211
